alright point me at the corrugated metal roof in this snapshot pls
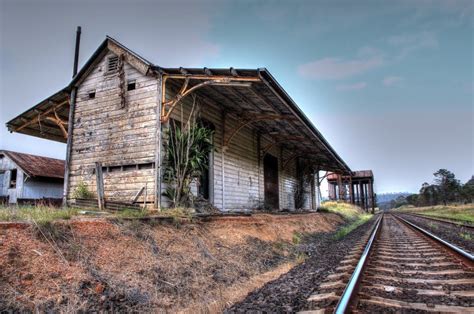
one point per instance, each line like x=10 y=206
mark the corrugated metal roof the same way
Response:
x=37 y=166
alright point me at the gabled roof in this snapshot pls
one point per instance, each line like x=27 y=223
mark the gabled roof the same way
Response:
x=37 y=166
x=265 y=96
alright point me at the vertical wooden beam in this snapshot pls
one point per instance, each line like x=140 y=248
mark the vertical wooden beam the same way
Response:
x=159 y=144
x=70 y=128
x=313 y=192
x=362 y=196
x=318 y=191
x=339 y=185
x=100 y=185
x=223 y=149
x=259 y=163
x=351 y=190
x=371 y=193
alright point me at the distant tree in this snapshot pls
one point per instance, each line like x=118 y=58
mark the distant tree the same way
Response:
x=448 y=185
x=429 y=195
x=467 y=191
x=412 y=199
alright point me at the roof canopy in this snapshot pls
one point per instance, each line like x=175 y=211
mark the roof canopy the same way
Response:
x=253 y=95
x=37 y=166
x=355 y=176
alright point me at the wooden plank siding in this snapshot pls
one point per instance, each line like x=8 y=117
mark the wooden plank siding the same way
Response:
x=114 y=136
x=243 y=179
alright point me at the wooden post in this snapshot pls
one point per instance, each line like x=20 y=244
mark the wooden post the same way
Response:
x=318 y=191
x=362 y=196
x=313 y=192
x=371 y=193
x=159 y=144
x=259 y=162
x=67 y=164
x=100 y=185
x=351 y=190
x=145 y=196
x=224 y=148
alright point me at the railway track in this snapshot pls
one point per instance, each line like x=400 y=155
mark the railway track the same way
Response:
x=441 y=220
x=398 y=268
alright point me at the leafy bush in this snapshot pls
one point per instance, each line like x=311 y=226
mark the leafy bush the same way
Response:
x=82 y=191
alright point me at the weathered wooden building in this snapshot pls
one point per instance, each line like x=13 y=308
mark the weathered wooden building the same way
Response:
x=28 y=178
x=114 y=113
x=356 y=188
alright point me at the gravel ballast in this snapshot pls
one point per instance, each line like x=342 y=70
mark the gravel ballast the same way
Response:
x=455 y=234
x=289 y=293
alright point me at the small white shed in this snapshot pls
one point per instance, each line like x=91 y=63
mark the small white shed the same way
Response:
x=27 y=178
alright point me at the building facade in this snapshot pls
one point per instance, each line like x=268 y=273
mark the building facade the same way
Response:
x=115 y=117
x=27 y=178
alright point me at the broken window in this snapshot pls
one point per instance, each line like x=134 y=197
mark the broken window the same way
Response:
x=13 y=174
x=131 y=85
x=92 y=94
x=112 y=64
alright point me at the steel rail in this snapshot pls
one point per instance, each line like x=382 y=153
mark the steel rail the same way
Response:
x=452 y=222
x=453 y=247
x=344 y=301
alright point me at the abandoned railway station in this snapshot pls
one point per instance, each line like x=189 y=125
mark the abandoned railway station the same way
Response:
x=115 y=117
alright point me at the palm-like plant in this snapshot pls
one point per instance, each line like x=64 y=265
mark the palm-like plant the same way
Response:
x=187 y=155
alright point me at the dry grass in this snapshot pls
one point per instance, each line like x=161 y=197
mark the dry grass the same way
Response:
x=346 y=210
x=463 y=213
x=40 y=214
x=90 y=265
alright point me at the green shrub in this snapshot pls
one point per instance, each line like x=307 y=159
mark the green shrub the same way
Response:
x=82 y=191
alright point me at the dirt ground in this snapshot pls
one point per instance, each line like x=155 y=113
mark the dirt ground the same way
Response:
x=98 y=265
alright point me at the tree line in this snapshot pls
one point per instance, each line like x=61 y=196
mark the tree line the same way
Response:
x=445 y=189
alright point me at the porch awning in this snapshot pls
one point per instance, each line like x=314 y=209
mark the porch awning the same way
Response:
x=257 y=98
x=48 y=119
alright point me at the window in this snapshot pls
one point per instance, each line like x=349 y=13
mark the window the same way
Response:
x=12 y=184
x=91 y=94
x=131 y=85
x=112 y=64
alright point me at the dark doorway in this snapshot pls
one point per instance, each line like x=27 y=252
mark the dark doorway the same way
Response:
x=270 y=178
x=206 y=179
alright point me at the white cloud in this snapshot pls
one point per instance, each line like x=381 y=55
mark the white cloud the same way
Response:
x=336 y=68
x=352 y=87
x=391 y=80
x=409 y=43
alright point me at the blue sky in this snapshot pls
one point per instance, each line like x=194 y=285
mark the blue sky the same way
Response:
x=389 y=83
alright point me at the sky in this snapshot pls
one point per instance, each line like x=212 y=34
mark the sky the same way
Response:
x=390 y=84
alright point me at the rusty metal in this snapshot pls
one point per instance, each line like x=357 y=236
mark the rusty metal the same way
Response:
x=41 y=115
x=76 y=51
x=185 y=90
x=37 y=166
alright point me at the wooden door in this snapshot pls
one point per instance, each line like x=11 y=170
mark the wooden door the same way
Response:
x=270 y=178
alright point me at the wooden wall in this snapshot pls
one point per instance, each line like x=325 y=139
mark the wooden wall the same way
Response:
x=26 y=188
x=104 y=132
x=243 y=176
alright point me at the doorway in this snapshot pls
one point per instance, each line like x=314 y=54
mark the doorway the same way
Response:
x=270 y=179
x=206 y=188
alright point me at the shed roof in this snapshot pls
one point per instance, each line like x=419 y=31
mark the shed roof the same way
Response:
x=37 y=166
x=265 y=96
